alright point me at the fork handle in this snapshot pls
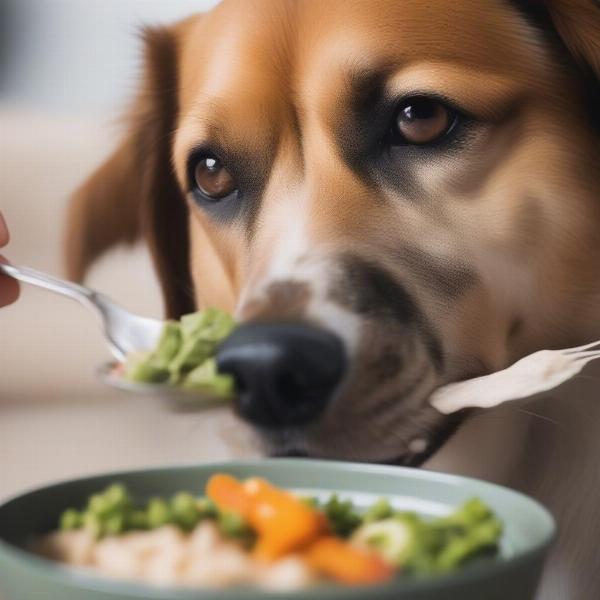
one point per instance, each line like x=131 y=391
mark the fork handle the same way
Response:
x=55 y=284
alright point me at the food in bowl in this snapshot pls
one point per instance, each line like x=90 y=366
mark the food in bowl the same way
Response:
x=253 y=533
x=184 y=355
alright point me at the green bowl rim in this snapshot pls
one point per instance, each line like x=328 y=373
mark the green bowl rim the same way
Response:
x=86 y=580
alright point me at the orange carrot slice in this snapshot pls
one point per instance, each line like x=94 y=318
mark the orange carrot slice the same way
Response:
x=228 y=494
x=344 y=563
x=284 y=523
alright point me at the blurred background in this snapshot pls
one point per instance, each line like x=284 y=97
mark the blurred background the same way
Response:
x=67 y=69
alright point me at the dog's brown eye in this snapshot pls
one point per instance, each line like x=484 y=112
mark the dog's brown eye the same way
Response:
x=212 y=178
x=422 y=121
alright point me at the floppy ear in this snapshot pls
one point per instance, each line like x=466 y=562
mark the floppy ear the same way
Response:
x=134 y=193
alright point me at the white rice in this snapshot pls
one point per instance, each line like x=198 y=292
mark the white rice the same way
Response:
x=167 y=557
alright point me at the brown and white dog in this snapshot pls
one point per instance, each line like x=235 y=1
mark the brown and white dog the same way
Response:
x=390 y=195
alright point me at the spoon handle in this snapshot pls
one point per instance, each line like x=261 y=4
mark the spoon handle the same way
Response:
x=49 y=282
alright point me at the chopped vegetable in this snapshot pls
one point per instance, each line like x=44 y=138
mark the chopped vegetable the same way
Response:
x=437 y=546
x=382 y=509
x=228 y=494
x=391 y=538
x=345 y=563
x=343 y=517
x=159 y=513
x=233 y=525
x=206 y=508
x=207 y=378
x=184 y=354
x=185 y=510
x=284 y=523
x=70 y=519
x=333 y=540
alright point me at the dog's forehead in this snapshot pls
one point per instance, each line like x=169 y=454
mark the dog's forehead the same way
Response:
x=233 y=53
x=279 y=49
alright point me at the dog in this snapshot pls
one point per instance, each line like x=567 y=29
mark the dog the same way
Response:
x=390 y=196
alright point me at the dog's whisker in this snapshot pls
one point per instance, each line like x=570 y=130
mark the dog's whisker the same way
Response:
x=538 y=416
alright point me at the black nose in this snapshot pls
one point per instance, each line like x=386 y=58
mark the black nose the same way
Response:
x=285 y=372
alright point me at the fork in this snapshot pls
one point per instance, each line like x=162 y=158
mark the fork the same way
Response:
x=124 y=331
x=535 y=374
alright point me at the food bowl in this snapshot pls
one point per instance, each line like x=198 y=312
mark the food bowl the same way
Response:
x=514 y=573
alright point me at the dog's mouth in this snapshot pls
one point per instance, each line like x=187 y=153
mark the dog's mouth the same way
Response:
x=414 y=453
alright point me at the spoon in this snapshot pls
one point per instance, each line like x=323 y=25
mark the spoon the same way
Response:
x=124 y=331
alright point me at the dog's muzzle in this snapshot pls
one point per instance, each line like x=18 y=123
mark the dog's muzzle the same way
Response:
x=285 y=373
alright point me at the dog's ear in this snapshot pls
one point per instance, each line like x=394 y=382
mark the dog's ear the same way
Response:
x=134 y=193
x=577 y=22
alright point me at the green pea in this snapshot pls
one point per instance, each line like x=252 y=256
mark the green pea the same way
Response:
x=114 y=524
x=70 y=519
x=158 y=513
x=93 y=524
x=232 y=524
x=207 y=509
x=99 y=505
x=382 y=509
x=184 y=510
x=117 y=496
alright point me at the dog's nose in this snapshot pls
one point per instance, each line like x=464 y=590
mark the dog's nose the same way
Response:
x=285 y=372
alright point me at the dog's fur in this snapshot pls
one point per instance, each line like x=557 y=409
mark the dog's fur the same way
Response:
x=432 y=264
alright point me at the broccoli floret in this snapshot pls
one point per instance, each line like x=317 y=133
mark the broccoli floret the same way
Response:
x=342 y=516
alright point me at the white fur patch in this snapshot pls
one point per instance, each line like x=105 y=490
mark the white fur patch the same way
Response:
x=294 y=256
x=291 y=246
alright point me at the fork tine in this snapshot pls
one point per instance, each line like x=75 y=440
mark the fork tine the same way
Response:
x=588 y=356
x=578 y=349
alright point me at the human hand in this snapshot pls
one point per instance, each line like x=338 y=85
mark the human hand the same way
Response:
x=9 y=288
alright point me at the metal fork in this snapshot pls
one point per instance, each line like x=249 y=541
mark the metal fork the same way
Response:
x=124 y=331
x=535 y=374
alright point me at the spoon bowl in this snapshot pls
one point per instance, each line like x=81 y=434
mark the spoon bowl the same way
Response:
x=177 y=397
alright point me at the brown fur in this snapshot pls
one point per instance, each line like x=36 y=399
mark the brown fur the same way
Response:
x=276 y=86
x=578 y=25
x=491 y=249
x=134 y=192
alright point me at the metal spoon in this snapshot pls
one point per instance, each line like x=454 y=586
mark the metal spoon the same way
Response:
x=124 y=331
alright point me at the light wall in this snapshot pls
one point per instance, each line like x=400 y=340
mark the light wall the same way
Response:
x=67 y=68
x=76 y=55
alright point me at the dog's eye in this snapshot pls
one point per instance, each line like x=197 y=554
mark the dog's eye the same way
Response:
x=212 y=179
x=421 y=120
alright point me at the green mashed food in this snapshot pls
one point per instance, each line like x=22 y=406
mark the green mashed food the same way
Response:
x=185 y=354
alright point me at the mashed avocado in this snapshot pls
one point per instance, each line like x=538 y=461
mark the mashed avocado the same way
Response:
x=184 y=354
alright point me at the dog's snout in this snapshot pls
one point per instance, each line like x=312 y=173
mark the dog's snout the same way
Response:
x=285 y=372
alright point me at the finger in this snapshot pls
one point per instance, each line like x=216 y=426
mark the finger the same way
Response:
x=4 y=237
x=9 y=288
